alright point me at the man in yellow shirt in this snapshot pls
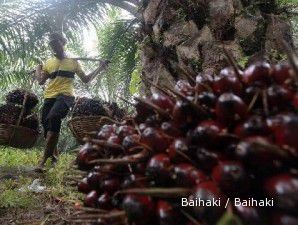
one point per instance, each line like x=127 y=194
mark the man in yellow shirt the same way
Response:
x=59 y=73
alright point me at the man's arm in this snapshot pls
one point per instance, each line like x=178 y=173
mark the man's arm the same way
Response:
x=40 y=75
x=88 y=78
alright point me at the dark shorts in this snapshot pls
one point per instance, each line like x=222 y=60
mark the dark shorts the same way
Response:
x=53 y=111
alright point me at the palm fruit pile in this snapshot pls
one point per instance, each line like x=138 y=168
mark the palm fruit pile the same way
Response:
x=230 y=136
x=97 y=107
x=89 y=107
x=17 y=97
x=31 y=121
x=11 y=111
x=117 y=112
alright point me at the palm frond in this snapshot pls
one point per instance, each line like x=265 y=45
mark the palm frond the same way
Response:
x=117 y=43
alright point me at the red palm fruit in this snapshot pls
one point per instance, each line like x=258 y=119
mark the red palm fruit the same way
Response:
x=125 y=130
x=206 y=159
x=134 y=181
x=203 y=82
x=155 y=139
x=295 y=101
x=86 y=154
x=280 y=218
x=207 y=134
x=108 y=167
x=185 y=115
x=170 y=129
x=259 y=154
x=208 y=192
x=207 y=99
x=283 y=188
x=279 y=97
x=158 y=168
x=249 y=215
x=178 y=145
x=91 y=199
x=287 y=132
x=143 y=111
x=281 y=73
x=184 y=88
x=114 y=139
x=131 y=141
x=93 y=179
x=257 y=73
x=231 y=177
x=186 y=175
x=110 y=185
x=167 y=214
x=143 y=126
x=106 y=131
x=105 y=201
x=87 y=147
x=230 y=109
x=153 y=120
x=122 y=169
x=139 y=168
x=83 y=186
x=255 y=125
x=163 y=101
x=227 y=81
x=275 y=122
x=139 y=209
x=249 y=94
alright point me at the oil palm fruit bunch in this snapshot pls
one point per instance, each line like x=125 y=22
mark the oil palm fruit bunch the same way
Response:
x=17 y=97
x=9 y=113
x=90 y=107
x=232 y=136
x=31 y=121
x=117 y=112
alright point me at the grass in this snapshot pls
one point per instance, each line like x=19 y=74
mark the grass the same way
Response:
x=13 y=162
x=14 y=157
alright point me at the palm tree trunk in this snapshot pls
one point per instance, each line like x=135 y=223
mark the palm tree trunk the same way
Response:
x=183 y=38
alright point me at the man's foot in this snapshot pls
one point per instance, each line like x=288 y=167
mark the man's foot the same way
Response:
x=39 y=169
x=50 y=149
x=54 y=160
x=41 y=165
x=56 y=153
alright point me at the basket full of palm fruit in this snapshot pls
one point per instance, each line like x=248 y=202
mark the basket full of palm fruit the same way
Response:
x=214 y=150
x=89 y=115
x=19 y=127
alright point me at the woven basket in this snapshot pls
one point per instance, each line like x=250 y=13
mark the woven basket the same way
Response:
x=85 y=126
x=17 y=136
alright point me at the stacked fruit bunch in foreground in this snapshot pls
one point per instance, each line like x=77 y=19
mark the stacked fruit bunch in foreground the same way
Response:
x=11 y=111
x=233 y=135
x=96 y=107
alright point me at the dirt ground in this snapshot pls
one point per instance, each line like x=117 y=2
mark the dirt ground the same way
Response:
x=51 y=212
x=48 y=208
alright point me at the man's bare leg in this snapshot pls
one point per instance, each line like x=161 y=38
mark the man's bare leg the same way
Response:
x=55 y=156
x=51 y=145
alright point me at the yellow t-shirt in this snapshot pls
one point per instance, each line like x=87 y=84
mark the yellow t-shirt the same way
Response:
x=61 y=76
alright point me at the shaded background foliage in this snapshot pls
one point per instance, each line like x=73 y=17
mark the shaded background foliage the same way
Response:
x=23 y=45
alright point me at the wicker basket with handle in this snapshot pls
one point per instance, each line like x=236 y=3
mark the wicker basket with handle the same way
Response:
x=87 y=126
x=17 y=136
